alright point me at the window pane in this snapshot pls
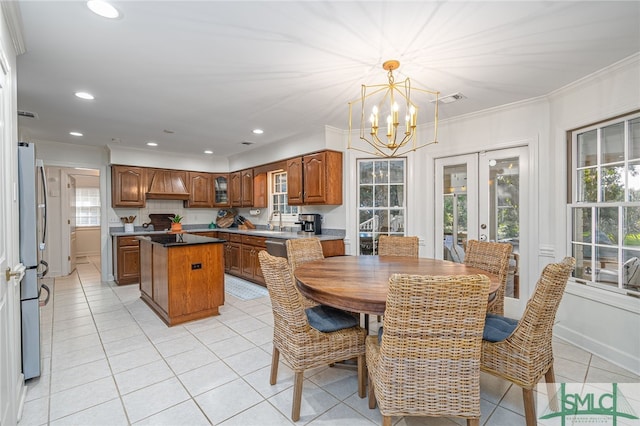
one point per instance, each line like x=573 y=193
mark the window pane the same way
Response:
x=631 y=270
x=397 y=196
x=366 y=171
x=381 y=196
x=396 y=171
x=587 y=148
x=612 y=184
x=633 y=181
x=587 y=190
x=613 y=143
x=634 y=139
x=631 y=226
x=581 y=224
x=382 y=172
x=366 y=196
x=583 y=263
x=396 y=221
x=607 y=225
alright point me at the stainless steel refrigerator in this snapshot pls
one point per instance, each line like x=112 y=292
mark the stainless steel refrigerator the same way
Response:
x=32 y=185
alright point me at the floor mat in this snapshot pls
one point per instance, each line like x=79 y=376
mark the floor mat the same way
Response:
x=243 y=289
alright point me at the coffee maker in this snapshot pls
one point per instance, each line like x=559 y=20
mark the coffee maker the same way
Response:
x=310 y=223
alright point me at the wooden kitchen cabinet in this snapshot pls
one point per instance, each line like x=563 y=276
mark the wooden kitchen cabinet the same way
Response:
x=200 y=187
x=221 y=190
x=127 y=260
x=260 y=190
x=315 y=179
x=250 y=264
x=241 y=188
x=232 y=253
x=128 y=186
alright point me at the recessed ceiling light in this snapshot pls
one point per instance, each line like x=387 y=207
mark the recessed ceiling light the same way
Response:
x=258 y=131
x=85 y=95
x=103 y=9
x=208 y=151
x=76 y=134
x=152 y=144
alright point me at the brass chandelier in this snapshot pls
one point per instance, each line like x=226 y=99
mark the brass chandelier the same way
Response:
x=381 y=100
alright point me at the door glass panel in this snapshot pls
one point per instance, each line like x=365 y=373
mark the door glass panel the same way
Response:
x=504 y=211
x=221 y=190
x=454 y=211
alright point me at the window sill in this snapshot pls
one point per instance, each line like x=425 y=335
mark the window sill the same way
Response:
x=616 y=300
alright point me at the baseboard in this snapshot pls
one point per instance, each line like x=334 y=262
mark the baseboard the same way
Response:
x=609 y=353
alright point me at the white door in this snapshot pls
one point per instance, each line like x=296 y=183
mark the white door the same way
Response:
x=482 y=196
x=71 y=222
x=11 y=384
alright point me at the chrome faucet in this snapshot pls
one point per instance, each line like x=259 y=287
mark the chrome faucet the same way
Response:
x=279 y=218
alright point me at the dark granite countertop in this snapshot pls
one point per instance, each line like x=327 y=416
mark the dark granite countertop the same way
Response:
x=178 y=240
x=255 y=232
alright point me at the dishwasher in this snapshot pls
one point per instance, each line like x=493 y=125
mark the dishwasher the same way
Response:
x=277 y=248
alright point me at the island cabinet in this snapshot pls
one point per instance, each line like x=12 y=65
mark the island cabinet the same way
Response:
x=127 y=262
x=182 y=276
x=315 y=179
x=200 y=187
x=128 y=186
x=250 y=264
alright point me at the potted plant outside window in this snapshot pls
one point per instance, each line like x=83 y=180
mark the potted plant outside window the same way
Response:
x=176 y=226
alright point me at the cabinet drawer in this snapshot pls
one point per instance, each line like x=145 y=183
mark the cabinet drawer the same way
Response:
x=235 y=238
x=254 y=241
x=128 y=241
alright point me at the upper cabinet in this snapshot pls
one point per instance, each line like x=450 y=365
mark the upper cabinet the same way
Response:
x=127 y=186
x=260 y=190
x=221 y=190
x=200 y=186
x=315 y=179
x=166 y=184
x=241 y=188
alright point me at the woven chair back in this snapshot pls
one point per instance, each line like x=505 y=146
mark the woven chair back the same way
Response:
x=391 y=245
x=430 y=351
x=303 y=250
x=493 y=258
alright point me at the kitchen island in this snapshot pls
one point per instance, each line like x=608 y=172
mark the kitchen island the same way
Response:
x=182 y=275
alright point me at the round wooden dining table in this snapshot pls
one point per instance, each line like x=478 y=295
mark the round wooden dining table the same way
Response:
x=361 y=283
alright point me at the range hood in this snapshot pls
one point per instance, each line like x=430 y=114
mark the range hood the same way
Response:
x=167 y=185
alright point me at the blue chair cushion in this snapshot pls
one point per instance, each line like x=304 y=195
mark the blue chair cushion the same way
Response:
x=497 y=328
x=328 y=319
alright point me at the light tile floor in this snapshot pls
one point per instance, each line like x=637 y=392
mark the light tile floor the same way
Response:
x=109 y=360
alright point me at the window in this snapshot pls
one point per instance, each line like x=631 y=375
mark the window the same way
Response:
x=87 y=206
x=279 y=198
x=605 y=207
x=381 y=201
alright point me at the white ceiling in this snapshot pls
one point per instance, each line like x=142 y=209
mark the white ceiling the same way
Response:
x=211 y=71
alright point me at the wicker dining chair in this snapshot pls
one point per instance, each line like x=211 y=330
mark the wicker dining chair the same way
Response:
x=301 y=345
x=527 y=354
x=493 y=258
x=303 y=250
x=391 y=245
x=427 y=361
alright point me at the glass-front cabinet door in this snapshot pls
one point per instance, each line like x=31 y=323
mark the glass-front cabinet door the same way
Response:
x=221 y=190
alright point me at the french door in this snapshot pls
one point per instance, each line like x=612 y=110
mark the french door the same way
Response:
x=481 y=196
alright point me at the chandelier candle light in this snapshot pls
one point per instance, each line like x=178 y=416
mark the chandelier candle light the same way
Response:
x=396 y=141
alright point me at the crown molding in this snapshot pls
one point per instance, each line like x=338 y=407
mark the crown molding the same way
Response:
x=13 y=18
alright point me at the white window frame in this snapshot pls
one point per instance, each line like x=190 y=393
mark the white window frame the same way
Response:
x=373 y=225
x=290 y=217
x=87 y=201
x=589 y=270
